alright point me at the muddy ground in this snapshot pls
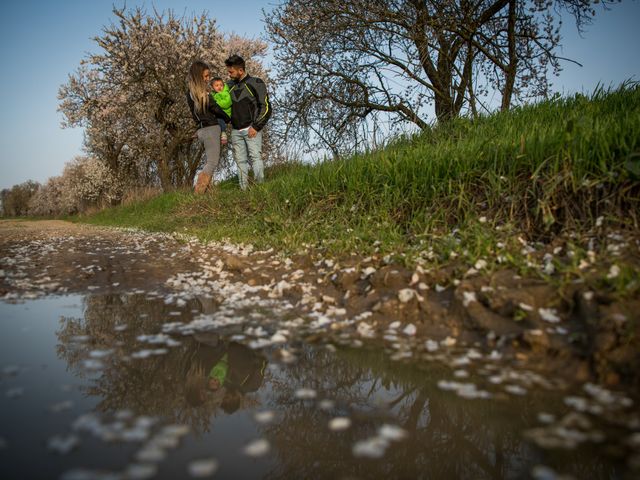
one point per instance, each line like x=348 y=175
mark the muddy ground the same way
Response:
x=580 y=335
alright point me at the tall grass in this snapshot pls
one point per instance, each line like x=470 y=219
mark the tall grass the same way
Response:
x=555 y=165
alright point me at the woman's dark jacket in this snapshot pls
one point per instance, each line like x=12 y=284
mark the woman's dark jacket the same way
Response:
x=209 y=117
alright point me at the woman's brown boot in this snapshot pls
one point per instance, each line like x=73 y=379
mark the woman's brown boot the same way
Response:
x=203 y=182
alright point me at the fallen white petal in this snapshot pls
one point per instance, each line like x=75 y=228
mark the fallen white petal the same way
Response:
x=392 y=432
x=257 y=448
x=468 y=297
x=339 y=423
x=202 y=468
x=305 y=394
x=549 y=315
x=410 y=329
x=264 y=417
x=373 y=447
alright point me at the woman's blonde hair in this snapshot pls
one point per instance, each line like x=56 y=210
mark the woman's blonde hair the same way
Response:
x=198 y=88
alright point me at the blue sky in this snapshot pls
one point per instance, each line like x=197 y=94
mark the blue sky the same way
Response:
x=41 y=42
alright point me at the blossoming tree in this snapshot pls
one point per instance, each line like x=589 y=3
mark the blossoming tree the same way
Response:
x=131 y=94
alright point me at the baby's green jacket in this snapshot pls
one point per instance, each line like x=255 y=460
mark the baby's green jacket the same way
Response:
x=223 y=99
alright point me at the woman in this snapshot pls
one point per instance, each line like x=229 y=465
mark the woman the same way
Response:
x=205 y=113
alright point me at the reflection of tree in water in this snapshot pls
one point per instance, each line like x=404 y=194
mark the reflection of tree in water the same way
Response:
x=449 y=437
x=151 y=386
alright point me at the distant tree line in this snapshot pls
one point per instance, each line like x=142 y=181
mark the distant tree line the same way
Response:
x=15 y=200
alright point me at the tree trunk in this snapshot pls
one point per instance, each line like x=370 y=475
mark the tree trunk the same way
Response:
x=512 y=67
x=164 y=173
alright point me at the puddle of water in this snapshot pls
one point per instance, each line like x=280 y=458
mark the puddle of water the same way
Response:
x=91 y=385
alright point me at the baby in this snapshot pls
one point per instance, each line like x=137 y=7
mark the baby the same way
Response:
x=222 y=97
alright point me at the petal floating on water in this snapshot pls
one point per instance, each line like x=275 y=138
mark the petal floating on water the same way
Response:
x=257 y=448
x=266 y=416
x=202 y=468
x=373 y=447
x=305 y=394
x=339 y=423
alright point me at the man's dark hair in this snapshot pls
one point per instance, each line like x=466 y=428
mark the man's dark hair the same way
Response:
x=235 y=61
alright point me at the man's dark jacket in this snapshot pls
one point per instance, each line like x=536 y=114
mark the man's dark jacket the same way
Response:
x=250 y=105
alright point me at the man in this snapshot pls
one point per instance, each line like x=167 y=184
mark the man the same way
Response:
x=250 y=111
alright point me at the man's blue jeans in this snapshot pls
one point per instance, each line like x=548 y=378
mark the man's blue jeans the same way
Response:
x=247 y=149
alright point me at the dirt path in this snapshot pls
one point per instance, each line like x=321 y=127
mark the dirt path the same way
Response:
x=352 y=301
x=53 y=256
x=15 y=229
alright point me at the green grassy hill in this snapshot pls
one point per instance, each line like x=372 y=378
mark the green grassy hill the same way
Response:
x=542 y=169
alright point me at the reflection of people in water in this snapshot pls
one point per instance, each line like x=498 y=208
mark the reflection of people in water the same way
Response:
x=229 y=371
